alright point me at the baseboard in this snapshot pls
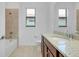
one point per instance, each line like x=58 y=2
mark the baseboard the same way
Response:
x=30 y=44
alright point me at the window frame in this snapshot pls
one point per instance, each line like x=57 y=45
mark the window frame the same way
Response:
x=63 y=17
x=34 y=17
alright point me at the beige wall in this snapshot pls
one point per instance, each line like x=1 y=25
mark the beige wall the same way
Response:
x=11 y=17
x=77 y=12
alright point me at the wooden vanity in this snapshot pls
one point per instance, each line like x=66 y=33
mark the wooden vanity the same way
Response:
x=48 y=50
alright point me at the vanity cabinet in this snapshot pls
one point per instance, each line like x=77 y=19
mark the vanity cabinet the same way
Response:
x=49 y=54
x=48 y=50
x=60 y=55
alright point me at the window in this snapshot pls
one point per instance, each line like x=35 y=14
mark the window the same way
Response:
x=62 y=16
x=30 y=18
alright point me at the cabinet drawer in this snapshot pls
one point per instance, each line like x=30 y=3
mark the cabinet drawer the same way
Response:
x=60 y=55
x=45 y=50
x=50 y=47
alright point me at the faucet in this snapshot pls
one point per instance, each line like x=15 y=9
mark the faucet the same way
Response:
x=70 y=36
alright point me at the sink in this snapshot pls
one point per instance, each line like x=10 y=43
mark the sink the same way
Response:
x=59 y=36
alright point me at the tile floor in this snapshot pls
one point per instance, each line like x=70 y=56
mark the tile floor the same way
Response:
x=27 y=51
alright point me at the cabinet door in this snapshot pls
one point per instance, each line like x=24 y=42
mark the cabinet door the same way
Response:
x=42 y=47
x=51 y=47
x=49 y=54
x=45 y=50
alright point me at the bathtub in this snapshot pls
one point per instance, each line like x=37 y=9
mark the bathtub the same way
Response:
x=2 y=48
x=10 y=46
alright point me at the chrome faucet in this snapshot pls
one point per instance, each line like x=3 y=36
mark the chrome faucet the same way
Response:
x=70 y=36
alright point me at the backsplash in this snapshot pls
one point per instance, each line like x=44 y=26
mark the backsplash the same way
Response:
x=75 y=36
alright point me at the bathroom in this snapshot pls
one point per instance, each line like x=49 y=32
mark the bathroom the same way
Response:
x=16 y=33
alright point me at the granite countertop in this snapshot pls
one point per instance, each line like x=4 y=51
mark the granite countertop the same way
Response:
x=67 y=47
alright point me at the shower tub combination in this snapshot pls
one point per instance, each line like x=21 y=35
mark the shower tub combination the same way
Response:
x=10 y=46
x=7 y=46
x=11 y=31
